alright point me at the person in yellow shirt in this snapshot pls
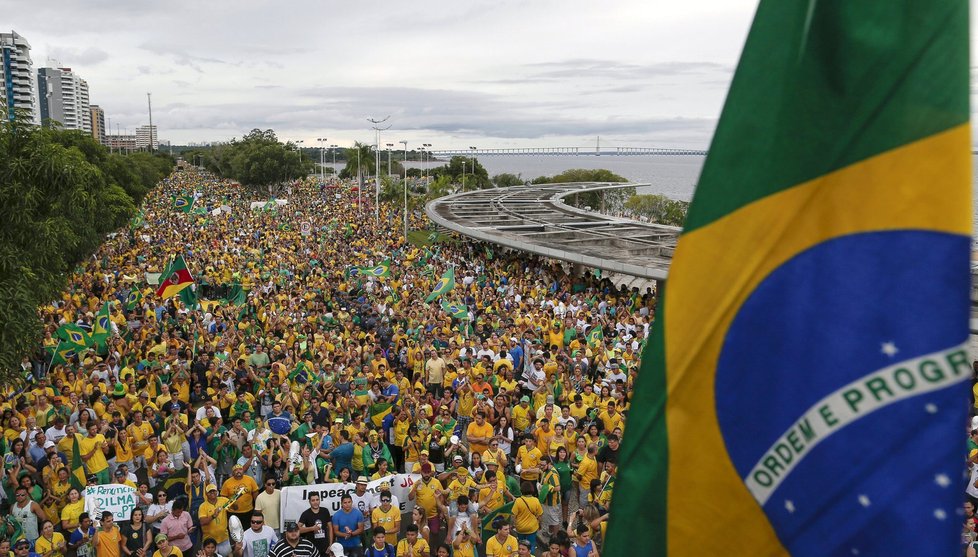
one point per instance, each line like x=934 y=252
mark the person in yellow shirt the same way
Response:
x=246 y=485
x=611 y=418
x=587 y=471
x=522 y=415
x=502 y=544
x=479 y=433
x=528 y=460
x=92 y=450
x=413 y=545
x=428 y=494
x=50 y=543
x=214 y=519
x=527 y=511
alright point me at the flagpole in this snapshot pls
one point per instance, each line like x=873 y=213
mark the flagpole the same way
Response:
x=53 y=355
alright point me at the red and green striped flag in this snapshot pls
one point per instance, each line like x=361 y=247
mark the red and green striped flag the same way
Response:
x=802 y=391
x=175 y=278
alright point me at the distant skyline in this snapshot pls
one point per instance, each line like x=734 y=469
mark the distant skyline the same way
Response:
x=492 y=74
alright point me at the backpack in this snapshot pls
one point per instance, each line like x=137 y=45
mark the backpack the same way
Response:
x=374 y=552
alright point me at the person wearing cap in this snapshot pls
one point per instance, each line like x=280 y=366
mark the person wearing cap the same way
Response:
x=428 y=494
x=164 y=548
x=293 y=545
x=213 y=517
x=362 y=500
x=459 y=485
x=22 y=548
x=239 y=482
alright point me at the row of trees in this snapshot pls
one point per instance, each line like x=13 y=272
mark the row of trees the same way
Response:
x=658 y=208
x=258 y=159
x=60 y=194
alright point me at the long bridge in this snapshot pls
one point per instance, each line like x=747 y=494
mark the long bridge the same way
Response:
x=566 y=151
x=535 y=219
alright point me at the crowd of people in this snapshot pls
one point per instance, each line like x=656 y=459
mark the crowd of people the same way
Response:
x=511 y=411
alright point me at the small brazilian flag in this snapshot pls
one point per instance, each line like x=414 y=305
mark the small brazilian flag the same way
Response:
x=455 y=309
x=505 y=511
x=183 y=203
x=381 y=271
x=595 y=336
x=61 y=354
x=102 y=326
x=78 y=478
x=445 y=284
x=809 y=357
x=379 y=411
x=74 y=335
x=134 y=298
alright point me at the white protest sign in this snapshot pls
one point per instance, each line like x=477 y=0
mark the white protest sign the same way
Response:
x=295 y=500
x=117 y=498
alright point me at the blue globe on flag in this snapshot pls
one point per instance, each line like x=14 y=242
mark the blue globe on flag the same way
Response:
x=281 y=426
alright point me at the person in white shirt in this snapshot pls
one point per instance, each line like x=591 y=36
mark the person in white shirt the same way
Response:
x=258 y=540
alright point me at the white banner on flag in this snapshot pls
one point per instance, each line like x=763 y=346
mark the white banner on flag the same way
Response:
x=118 y=498
x=295 y=500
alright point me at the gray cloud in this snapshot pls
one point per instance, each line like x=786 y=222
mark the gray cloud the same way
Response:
x=75 y=56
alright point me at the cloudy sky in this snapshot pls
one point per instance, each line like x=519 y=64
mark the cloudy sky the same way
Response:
x=499 y=73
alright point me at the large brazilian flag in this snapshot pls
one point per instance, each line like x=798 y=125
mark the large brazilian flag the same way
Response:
x=804 y=391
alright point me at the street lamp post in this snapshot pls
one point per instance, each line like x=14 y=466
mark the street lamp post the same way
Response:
x=405 y=193
x=333 y=149
x=473 y=149
x=427 y=149
x=322 y=158
x=359 y=180
x=389 y=145
x=377 y=131
x=463 y=175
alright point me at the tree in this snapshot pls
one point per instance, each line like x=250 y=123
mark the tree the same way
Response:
x=61 y=194
x=506 y=180
x=658 y=208
x=365 y=160
x=475 y=175
x=610 y=200
x=258 y=159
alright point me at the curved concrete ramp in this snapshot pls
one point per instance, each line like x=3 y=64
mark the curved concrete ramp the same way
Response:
x=535 y=219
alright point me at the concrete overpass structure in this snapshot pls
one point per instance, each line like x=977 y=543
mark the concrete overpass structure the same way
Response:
x=535 y=219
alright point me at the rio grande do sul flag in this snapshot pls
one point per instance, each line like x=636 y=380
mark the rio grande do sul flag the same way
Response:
x=805 y=389
x=175 y=278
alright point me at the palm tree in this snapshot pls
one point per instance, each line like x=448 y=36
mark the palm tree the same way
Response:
x=361 y=154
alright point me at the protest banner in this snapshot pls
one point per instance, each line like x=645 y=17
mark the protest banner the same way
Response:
x=117 y=498
x=295 y=500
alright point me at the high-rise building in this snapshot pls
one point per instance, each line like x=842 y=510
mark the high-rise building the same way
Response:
x=98 y=123
x=145 y=135
x=64 y=99
x=19 y=84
